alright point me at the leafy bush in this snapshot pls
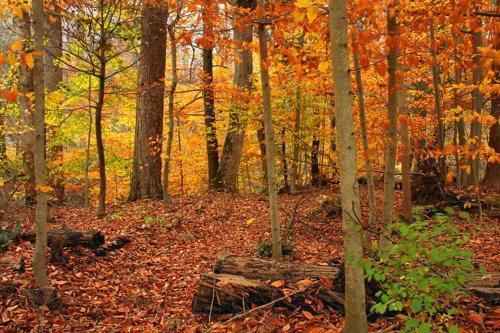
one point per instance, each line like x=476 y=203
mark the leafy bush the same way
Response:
x=422 y=272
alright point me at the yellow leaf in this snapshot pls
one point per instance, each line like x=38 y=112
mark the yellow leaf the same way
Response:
x=323 y=67
x=43 y=188
x=16 y=46
x=250 y=221
x=298 y=16
x=303 y=3
x=11 y=58
x=28 y=60
x=278 y=284
x=312 y=13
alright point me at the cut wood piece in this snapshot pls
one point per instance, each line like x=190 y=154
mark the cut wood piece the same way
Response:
x=226 y=293
x=260 y=269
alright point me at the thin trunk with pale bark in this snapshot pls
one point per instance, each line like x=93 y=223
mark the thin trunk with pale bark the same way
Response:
x=355 y=301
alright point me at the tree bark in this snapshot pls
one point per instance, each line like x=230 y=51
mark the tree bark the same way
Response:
x=393 y=105
x=28 y=138
x=41 y=211
x=294 y=172
x=364 y=131
x=406 y=206
x=54 y=76
x=208 y=95
x=477 y=106
x=101 y=207
x=171 y=120
x=492 y=177
x=315 y=172
x=151 y=93
x=284 y=161
x=227 y=175
x=269 y=139
x=355 y=319
x=436 y=85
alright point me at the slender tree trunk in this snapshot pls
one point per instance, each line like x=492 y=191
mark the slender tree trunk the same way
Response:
x=152 y=89
x=54 y=76
x=261 y=137
x=492 y=177
x=28 y=138
x=41 y=212
x=364 y=131
x=269 y=138
x=393 y=104
x=208 y=95
x=355 y=307
x=87 y=157
x=296 y=141
x=3 y=142
x=227 y=175
x=101 y=207
x=436 y=85
x=406 y=209
x=171 y=120
x=477 y=107
x=315 y=171
x=284 y=161
x=460 y=123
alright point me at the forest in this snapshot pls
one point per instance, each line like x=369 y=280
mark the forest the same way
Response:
x=210 y=166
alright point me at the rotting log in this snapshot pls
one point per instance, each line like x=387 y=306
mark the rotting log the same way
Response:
x=226 y=293
x=59 y=239
x=114 y=245
x=261 y=269
x=486 y=286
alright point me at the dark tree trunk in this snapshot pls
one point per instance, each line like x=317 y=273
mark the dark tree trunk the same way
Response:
x=315 y=172
x=208 y=97
x=101 y=208
x=148 y=145
x=227 y=175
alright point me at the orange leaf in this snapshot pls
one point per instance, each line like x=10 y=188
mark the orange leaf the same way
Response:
x=278 y=284
x=475 y=317
x=9 y=95
x=308 y=315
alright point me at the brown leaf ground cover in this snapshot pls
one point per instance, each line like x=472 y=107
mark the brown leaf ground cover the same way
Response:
x=148 y=285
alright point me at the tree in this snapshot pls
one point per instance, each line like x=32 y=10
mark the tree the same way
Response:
x=41 y=211
x=208 y=12
x=53 y=77
x=492 y=177
x=355 y=307
x=146 y=178
x=25 y=89
x=227 y=174
x=269 y=137
x=392 y=108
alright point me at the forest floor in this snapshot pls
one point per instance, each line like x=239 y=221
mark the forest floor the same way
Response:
x=148 y=285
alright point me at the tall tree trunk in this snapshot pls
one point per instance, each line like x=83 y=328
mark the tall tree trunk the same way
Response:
x=460 y=123
x=364 y=131
x=269 y=138
x=227 y=175
x=261 y=137
x=208 y=94
x=294 y=172
x=393 y=104
x=87 y=150
x=315 y=171
x=492 y=177
x=41 y=212
x=436 y=85
x=101 y=207
x=152 y=89
x=28 y=137
x=54 y=76
x=355 y=307
x=284 y=161
x=406 y=206
x=477 y=107
x=171 y=120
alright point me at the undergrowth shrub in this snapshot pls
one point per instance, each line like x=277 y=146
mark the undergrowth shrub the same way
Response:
x=422 y=273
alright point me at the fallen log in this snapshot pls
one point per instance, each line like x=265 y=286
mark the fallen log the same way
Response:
x=114 y=245
x=59 y=239
x=261 y=269
x=487 y=287
x=226 y=293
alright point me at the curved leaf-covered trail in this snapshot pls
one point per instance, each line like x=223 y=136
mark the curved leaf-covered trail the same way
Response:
x=148 y=285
